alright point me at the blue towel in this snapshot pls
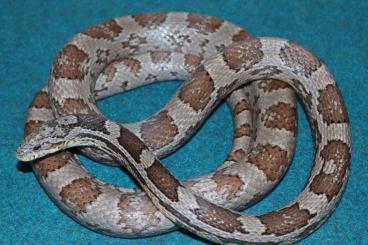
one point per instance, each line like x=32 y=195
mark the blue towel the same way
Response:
x=32 y=32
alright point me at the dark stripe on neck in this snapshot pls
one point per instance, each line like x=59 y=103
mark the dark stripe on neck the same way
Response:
x=124 y=160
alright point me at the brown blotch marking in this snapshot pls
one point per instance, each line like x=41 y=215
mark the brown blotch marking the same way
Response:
x=150 y=20
x=31 y=126
x=69 y=63
x=271 y=85
x=331 y=105
x=330 y=184
x=285 y=220
x=107 y=30
x=160 y=56
x=132 y=64
x=41 y=100
x=236 y=155
x=159 y=130
x=241 y=36
x=204 y=23
x=281 y=116
x=299 y=59
x=243 y=56
x=243 y=130
x=227 y=183
x=241 y=106
x=192 y=61
x=271 y=159
x=52 y=163
x=218 y=217
x=131 y=143
x=110 y=71
x=196 y=92
x=164 y=180
x=71 y=106
x=80 y=193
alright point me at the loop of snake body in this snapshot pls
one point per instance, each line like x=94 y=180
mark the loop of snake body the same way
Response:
x=255 y=59
x=264 y=116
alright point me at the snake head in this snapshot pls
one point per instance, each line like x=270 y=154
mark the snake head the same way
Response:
x=51 y=137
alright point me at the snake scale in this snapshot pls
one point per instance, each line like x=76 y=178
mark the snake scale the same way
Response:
x=222 y=66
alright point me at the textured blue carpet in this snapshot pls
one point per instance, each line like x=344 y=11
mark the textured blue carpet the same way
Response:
x=31 y=33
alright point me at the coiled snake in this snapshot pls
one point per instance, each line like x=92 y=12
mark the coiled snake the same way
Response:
x=161 y=40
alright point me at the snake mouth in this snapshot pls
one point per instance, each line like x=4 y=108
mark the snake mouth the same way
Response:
x=24 y=154
x=27 y=153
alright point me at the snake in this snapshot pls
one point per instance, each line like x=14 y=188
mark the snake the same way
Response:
x=237 y=65
x=264 y=116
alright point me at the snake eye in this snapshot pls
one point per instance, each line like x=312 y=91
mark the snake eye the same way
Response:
x=37 y=147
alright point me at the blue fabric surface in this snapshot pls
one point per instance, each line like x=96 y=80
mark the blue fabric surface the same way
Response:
x=32 y=32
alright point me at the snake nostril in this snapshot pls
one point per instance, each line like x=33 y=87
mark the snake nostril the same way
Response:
x=37 y=147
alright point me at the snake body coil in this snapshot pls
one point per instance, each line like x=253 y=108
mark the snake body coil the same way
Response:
x=160 y=39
